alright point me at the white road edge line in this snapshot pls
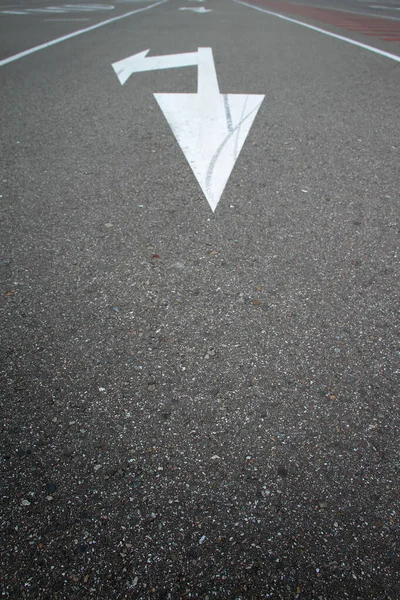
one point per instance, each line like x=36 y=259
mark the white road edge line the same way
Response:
x=329 y=33
x=10 y=59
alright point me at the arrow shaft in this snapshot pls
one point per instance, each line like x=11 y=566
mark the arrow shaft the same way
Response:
x=207 y=86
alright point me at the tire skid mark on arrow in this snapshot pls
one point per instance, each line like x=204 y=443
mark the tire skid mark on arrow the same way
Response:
x=209 y=127
x=228 y=113
x=215 y=157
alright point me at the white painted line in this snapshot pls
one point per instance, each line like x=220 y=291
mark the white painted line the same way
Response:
x=90 y=7
x=370 y=14
x=201 y=9
x=366 y=14
x=67 y=19
x=10 y=59
x=385 y=7
x=64 y=8
x=329 y=33
x=210 y=127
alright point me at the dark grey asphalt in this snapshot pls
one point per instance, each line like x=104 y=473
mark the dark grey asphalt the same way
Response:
x=197 y=404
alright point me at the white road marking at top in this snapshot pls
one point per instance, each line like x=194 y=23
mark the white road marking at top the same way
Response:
x=63 y=8
x=67 y=19
x=89 y=7
x=10 y=59
x=210 y=127
x=384 y=7
x=324 y=31
x=200 y=9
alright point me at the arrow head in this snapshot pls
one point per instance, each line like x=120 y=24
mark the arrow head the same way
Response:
x=211 y=133
x=133 y=64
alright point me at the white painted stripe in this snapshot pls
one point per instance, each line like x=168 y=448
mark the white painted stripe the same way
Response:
x=385 y=7
x=329 y=33
x=10 y=59
x=196 y=10
x=67 y=19
x=64 y=8
x=367 y=14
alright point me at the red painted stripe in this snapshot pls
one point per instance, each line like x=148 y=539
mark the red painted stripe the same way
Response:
x=373 y=29
x=369 y=26
x=325 y=15
x=379 y=35
x=373 y=26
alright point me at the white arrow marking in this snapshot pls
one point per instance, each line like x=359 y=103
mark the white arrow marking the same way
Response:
x=210 y=127
x=201 y=9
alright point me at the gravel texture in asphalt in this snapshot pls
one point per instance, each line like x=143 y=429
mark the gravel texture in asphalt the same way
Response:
x=198 y=404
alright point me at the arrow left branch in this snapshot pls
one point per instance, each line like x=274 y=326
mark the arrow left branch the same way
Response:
x=140 y=62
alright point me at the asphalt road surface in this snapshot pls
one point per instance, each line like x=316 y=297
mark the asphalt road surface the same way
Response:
x=200 y=300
